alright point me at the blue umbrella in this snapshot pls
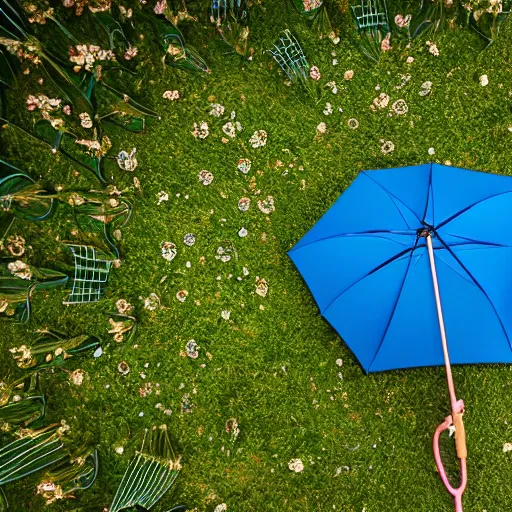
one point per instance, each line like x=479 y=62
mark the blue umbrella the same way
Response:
x=394 y=244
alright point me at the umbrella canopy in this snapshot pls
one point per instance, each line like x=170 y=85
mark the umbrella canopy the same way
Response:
x=366 y=263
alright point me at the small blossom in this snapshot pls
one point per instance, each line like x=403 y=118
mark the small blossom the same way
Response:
x=432 y=48
x=431 y=151
x=244 y=203
x=130 y=53
x=387 y=147
x=242 y=233
x=321 y=128
x=348 y=75
x=77 y=377
x=162 y=196
x=244 y=165
x=296 y=465
x=85 y=120
x=123 y=368
x=152 y=302
x=205 y=177
x=409 y=60
x=217 y=110
x=385 y=44
x=261 y=287
x=267 y=205
x=328 y=109
x=123 y=306
x=182 y=295
x=401 y=21
x=353 y=123
x=169 y=251
x=229 y=129
x=171 y=95
x=201 y=130
x=484 y=80
x=189 y=239
x=425 y=89
x=258 y=139
x=127 y=161
x=20 y=269
x=314 y=73
x=381 y=101
x=160 y=7
x=225 y=314
x=400 y=107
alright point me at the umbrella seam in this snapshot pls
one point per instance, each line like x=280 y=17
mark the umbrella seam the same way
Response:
x=463 y=211
x=362 y=233
x=393 y=197
x=376 y=269
x=480 y=287
x=396 y=302
x=429 y=190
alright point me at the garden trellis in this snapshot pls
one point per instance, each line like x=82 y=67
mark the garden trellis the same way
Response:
x=288 y=53
x=372 y=24
x=150 y=474
x=92 y=268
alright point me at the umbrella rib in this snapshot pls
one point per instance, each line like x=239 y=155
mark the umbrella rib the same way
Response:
x=477 y=242
x=406 y=273
x=478 y=285
x=376 y=269
x=461 y=212
x=393 y=197
x=362 y=233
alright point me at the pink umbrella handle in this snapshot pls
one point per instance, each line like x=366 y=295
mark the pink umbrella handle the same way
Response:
x=460 y=441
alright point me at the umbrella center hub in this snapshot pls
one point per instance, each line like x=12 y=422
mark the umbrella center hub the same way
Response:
x=425 y=231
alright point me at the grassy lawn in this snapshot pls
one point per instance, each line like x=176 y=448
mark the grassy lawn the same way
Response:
x=365 y=440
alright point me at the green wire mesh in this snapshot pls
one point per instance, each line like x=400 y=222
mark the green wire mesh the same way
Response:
x=149 y=475
x=288 y=53
x=371 y=15
x=92 y=268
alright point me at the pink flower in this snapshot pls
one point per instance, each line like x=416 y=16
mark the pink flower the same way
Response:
x=171 y=95
x=66 y=109
x=314 y=73
x=160 y=7
x=385 y=44
x=32 y=103
x=130 y=53
x=348 y=75
x=402 y=22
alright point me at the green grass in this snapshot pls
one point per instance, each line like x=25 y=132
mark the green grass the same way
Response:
x=273 y=364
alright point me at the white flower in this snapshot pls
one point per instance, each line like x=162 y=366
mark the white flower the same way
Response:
x=169 y=251
x=244 y=165
x=20 y=269
x=217 y=110
x=387 y=147
x=225 y=314
x=507 y=447
x=221 y=508
x=242 y=233
x=171 y=95
x=381 y=101
x=258 y=139
x=152 y=302
x=261 y=287
x=77 y=377
x=244 y=203
x=431 y=151
x=314 y=73
x=85 y=120
x=425 y=89
x=432 y=48
x=119 y=450
x=267 y=205
x=348 y=75
x=484 y=80
x=229 y=129
x=205 y=177
x=296 y=465
x=127 y=161
x=201 y=131
x=189 y=239
x=321 y=128
x=400 y=107
x=328 y=109
x=162 y=196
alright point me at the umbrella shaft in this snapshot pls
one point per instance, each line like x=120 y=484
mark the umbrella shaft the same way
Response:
x=451 y=386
